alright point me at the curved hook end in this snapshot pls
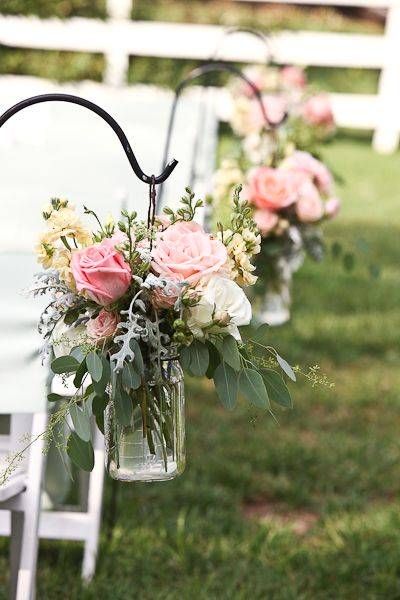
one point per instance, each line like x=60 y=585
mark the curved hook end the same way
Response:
x=167 y=171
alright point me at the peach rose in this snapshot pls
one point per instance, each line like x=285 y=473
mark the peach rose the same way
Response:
x=309 y=207
x=332 y=207
x=317 y=110
x=167 y=295
x=293 y=77
x=185 y=252
x=315 y=169
x=103 y=326
x=272 y=189
x=265 y=220
x=101 y=272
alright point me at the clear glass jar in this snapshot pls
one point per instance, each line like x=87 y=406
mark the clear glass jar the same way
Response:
x=276 y=303
x=152 y=446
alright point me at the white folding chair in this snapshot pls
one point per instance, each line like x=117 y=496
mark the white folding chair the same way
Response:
x=22 y=390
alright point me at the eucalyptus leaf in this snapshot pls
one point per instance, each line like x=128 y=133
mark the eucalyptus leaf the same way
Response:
x=185 y=357
x=277 y=388
x=199 y=358
x=101 y=386
x=64 y=364
x=226 y=385
x=138 y=358
x=215 y=359
x=80 y=452
x=286 y=368
x=94 y=366
x=81 y=422
x=55 y=397
x=98 y=408
x=262 y=331
x=77 y=353
x=80 y=373
x=123 y=406
x=252 y=386
x=130 y=377
x=230 y=352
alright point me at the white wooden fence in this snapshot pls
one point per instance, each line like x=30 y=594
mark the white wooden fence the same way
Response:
x=118 y=38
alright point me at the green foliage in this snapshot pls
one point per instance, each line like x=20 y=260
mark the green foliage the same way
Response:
x=226 y=385
x=187 y=209
x=94 y=366
x=198 y=358
x=81 y=421
x=64 y=364
x=123 y=404
x=252 y=386
x=80 y=452
x=276 y=388
x=230 y=352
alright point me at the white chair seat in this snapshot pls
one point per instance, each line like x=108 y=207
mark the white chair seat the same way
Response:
x=14 y=486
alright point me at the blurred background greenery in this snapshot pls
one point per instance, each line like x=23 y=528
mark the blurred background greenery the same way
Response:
x=306 y=508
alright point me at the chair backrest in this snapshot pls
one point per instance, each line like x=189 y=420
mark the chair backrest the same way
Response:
x=22 y=377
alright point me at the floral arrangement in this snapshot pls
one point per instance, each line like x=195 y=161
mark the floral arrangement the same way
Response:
x=302 y=115
x=289 y=188
x=131 y=304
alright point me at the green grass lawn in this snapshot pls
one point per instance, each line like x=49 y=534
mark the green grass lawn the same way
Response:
x=303 y=509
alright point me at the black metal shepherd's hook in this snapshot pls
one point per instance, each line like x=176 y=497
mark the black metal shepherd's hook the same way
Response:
x=263 y=37
x=149 y=179
x=210 y=67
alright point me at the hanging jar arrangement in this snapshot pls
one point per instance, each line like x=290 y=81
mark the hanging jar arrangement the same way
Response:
x=133 y=303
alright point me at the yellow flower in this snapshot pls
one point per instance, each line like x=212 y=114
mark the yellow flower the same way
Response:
x=45 y=251
x=66 y=223
x=61 y=262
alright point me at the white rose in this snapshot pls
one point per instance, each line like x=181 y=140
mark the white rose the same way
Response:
x=64 y=338
x=222 y=303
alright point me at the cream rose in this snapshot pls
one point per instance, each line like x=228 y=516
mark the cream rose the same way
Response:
x=222 y=304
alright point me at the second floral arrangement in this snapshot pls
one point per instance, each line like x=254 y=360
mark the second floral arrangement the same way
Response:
x=291 y=191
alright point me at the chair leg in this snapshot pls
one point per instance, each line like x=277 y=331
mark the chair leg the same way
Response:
x=95 y=499
x=17 y=528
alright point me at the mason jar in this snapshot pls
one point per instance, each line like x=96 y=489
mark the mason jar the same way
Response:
x=152 y=446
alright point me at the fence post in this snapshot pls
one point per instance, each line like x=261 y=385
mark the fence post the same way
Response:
x=387 y=132
x=117 y=59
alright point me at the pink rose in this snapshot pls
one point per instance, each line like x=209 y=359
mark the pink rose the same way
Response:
x=293 y=77
x=272 y=189
x=309 y=207
x=184 y=252
x=103 y=326
x=317 y=110
x=265 y=220
x=307 y=164
x=332 y=207
x=101 y=272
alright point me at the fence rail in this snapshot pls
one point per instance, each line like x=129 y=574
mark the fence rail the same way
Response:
x=118 y=38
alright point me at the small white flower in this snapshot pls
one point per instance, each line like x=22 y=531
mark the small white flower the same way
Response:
x=64 y=338
x=222 y=302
